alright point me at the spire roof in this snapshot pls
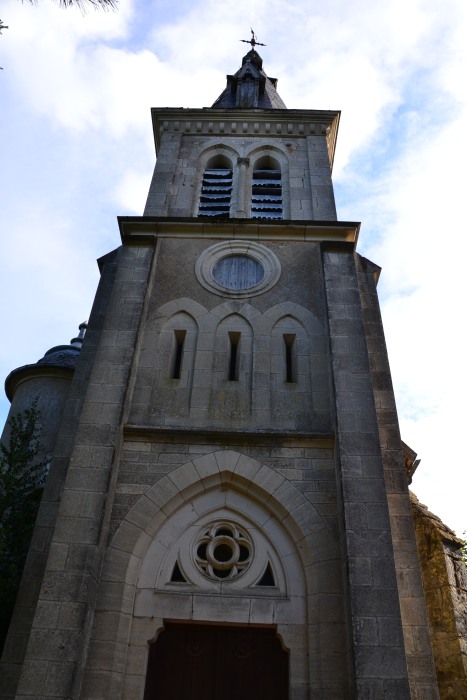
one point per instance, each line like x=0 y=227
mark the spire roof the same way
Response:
x=250 y=87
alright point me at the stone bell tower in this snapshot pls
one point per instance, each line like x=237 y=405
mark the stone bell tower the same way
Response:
x=227 y=512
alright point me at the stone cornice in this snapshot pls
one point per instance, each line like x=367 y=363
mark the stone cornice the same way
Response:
x=143 y=433
x=143 y=230
x=37 y=371
x=285 y=123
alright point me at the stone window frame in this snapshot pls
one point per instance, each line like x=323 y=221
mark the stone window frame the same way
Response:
x=215 y=165
x=208 y=259
x=268 y=151
x=183 y=321
x=264 y=554
x=207 y=156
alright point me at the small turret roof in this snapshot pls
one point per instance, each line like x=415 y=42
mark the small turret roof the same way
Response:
x=65 y=355
x=59 y=358
x=250 y=87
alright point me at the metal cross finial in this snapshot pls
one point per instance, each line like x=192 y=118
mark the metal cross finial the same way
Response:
x=2 y=26
x=252 y=41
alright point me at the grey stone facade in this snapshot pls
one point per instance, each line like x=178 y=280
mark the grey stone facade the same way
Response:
x=292 y=436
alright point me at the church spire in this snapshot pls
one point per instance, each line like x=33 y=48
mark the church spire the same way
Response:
x=250 y=87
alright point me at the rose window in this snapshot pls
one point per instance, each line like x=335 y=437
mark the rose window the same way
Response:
x=223 y=551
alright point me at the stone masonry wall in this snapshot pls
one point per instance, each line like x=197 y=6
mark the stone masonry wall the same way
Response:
x=444 y=577
x=413 y=609
x=73 y=517
x=182 y=157
x=380 y=666
x=158 y=469
x=203 y=398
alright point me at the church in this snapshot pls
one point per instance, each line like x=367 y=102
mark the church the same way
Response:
x=226 y=512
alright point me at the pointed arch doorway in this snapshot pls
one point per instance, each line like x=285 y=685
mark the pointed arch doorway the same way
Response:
x=213 y=662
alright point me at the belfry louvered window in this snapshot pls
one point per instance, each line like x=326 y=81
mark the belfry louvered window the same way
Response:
x=216 y=192
x=266 y=193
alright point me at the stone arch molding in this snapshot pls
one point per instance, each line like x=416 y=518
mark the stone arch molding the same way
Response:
x=242 y=161
x=218 y=509
x=279 y=155
x=221 y=483
x=258 y=151
x=240 y=482
x=207 y=154
x=262 y=323
x=203 y=395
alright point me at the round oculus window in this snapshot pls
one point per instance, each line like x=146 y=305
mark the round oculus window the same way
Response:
x=238 y=272
x=238 y=269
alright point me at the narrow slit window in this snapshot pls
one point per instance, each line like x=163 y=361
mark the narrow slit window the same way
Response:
x=216 y=193
x=178 y=353
x=290 y=358
x=234 y=355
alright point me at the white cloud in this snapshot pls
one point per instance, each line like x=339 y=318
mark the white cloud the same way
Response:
x=132 y=190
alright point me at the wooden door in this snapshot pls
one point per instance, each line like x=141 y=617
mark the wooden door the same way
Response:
x=207 y=662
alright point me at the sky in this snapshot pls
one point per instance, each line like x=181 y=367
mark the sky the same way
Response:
x=77 y=150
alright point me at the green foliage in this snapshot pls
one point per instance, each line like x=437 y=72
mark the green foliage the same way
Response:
x=21 y=484
x=84 y=4
x=464 y=548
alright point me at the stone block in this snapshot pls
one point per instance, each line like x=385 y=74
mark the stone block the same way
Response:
x=96 y=684
x=363 y=491
x=365 y=631
x=360 y=571
x=32 y=679
x=390 y=632
x=383 y=689
x=380 y=663
x=77 y=530
x=57 y=556
x=47 y=614
x=59 y=679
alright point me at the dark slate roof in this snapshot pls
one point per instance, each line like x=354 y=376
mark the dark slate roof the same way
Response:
x=251 y=71
x=61 y=356
x=65 y=355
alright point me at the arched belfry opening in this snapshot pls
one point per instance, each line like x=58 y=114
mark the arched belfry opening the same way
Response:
x=266 y=189
x=216 y=188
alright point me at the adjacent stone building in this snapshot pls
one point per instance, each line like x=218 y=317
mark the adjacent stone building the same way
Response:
x=444 y=575
x=227 y=510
